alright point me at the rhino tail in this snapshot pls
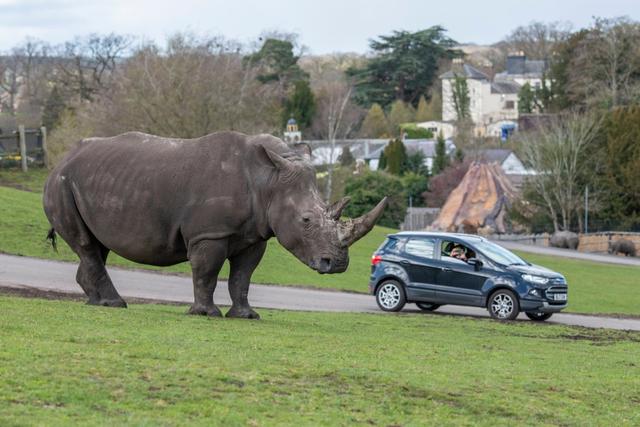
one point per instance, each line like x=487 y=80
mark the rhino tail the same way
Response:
x=52 y=237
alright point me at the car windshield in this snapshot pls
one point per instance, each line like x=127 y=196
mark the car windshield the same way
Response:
x=499 y=254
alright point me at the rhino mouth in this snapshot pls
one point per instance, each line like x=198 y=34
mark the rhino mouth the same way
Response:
x=328 y=265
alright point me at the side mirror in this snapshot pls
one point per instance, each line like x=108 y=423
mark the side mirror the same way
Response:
x=475 y=262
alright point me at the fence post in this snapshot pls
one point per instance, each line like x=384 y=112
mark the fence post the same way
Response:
x=45 y=153
x=23 y=148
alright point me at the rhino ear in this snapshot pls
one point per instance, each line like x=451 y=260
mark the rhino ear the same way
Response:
x=303 y=149
x=278 y=161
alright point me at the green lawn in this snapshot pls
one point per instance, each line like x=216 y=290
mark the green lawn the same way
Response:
x=65 y=363
x=594 y=287
x=30 y=181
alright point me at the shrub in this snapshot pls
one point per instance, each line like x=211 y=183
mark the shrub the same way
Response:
x=368 y=188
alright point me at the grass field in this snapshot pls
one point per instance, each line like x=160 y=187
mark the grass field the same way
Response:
x=594 y=287
x=65 y=363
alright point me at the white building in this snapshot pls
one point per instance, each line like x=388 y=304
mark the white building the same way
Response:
x=494 y=101
x=448 y=130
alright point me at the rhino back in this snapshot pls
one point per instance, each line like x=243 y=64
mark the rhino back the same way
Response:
x=146 y=197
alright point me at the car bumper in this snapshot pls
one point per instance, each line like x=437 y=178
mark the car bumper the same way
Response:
x=541 y=306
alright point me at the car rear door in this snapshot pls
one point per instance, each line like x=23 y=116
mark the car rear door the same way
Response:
x=422 y=268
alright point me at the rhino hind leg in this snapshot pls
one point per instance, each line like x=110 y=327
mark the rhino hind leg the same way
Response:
x=94 y=278
x=242 y=267
x=206 y=258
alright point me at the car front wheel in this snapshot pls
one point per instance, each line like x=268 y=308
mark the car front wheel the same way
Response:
x=390 y=296
x=503 y=305
x=427 y=306
x=538 y=317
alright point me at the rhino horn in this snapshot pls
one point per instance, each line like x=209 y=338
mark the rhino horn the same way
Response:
x=335 y=210
x=352 y=230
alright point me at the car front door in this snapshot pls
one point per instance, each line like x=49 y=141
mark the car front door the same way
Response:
x=461 y=283
x=421 y=267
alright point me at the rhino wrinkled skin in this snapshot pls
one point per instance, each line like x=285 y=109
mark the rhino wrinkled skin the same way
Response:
x=163 y=201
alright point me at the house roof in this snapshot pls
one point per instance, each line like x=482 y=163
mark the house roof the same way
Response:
x=427 y=146
x=491 y=155
x=505 y=87
x=528 y=66
x=467 y=71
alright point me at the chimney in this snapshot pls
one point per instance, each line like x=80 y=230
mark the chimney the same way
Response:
x=516 y=63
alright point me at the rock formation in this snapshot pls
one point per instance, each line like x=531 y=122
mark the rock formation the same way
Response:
x=478 y=203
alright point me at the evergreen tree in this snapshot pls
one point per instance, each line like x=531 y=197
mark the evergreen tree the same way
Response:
x=441 y=160
x=422 y=112
x=382 y=161
x=414 y=185
x=434 y=106
x=396 y=157
x=526 y=99
x=346 y=158
x=53 y=109
x=400 y=113
x=461 y=100
x=375 y=123
x=300 y=105
x=404 y=67
x=415 y=163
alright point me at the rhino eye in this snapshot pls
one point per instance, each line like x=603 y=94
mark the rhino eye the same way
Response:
x=306 y=219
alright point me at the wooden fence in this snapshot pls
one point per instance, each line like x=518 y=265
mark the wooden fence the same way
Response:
x=19 y=137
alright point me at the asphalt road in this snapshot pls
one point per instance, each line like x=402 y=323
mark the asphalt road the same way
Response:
x=22 y=272
x=569 y=253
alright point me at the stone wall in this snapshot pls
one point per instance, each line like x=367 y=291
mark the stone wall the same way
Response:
x=591 y=242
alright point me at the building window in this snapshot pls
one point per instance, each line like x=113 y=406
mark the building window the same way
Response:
x=510 y=105
x=434 y=130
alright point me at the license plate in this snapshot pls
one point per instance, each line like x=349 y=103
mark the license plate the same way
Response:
x=560 y=297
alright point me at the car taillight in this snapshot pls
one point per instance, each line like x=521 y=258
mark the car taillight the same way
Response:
x=376 y=259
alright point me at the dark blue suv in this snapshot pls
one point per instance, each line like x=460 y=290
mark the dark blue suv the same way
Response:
x=433 y=269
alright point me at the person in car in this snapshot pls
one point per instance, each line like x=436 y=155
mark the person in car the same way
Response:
x=459 y=252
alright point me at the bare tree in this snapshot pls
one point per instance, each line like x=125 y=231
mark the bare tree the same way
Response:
x=336 y=116
x=192 y=88
x=559 y=153
x=85 y=65
x=605 y=69
x=537 y=40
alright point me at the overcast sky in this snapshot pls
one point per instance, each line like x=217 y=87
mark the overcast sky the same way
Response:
x=324 y=25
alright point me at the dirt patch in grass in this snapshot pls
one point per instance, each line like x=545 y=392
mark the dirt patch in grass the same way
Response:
x=26 y=292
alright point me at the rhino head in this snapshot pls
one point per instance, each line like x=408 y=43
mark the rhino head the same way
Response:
x=305 y=225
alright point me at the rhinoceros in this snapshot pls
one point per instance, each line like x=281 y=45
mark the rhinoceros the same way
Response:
x=564 y=239
x=163 y=201
x=622 y=246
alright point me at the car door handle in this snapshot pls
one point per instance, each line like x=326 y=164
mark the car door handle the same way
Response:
x=405 y=262
x=446 y=269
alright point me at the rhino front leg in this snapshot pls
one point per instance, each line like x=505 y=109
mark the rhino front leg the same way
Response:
x=206 y=258
x=242 y=267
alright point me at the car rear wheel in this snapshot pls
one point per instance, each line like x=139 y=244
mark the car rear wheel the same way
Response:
x=390 y=296
x=537 y=316
x=427 y=306
x=503 y=305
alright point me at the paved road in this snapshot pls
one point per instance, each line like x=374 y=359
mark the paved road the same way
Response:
x=568 y=253
x=22 y=272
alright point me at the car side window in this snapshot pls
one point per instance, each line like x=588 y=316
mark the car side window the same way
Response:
x=420 y=247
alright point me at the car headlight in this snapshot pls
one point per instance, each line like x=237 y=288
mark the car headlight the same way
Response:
x=535 y=279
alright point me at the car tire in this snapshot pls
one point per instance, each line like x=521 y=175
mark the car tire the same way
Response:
x=427 y=306
x=503 y=305
x=538 y=317
x=390 y=296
